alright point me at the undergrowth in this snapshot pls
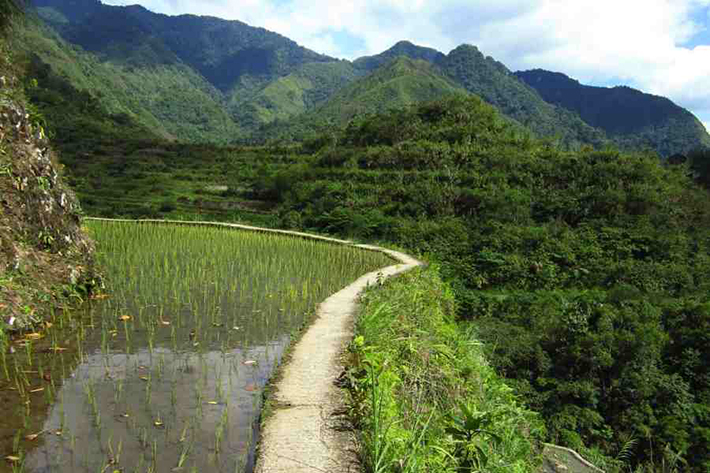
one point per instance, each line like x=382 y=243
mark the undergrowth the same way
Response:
x=423 y=396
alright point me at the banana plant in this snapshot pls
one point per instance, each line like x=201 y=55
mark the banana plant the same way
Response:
x=472 y=433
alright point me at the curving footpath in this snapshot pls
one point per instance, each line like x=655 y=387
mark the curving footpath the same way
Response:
x=301 y=436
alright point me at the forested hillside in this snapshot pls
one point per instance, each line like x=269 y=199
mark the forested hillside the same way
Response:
x=633 y=119
x=494 y=83
x=169 y=99
x=234 y=59
x=203 y=79
x=399 y=83
x=586 y=273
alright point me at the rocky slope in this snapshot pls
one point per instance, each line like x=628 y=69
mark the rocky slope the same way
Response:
x=45 y=256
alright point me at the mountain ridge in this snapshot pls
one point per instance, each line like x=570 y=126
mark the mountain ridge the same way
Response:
x=261 y=80
x=619 y=110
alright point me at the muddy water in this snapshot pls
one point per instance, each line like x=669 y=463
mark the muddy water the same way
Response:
x=189 y=403
x=165 y=375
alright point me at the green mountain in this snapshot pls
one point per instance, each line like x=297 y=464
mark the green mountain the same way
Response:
x=206 y=79
x=296 y=93
x=233 y=57
x=402 y=48
x=630 y=117
x=172 y=100
x=425 y=76
x=492 y=81
x=400 y=83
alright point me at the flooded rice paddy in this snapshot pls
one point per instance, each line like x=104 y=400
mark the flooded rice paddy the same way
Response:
x=166 y=374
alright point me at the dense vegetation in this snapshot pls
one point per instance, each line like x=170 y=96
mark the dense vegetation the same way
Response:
x=632 y=118
x=585 y=273
x=423 y=393
x=171 y=100
x=493 y=82
x=8 y=9
x=398 y=83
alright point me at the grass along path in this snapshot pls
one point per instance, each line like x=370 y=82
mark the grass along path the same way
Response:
x=300 y=435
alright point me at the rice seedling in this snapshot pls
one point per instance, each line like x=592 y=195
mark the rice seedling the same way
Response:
x=197 y=319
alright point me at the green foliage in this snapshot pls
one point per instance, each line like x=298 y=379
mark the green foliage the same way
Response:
x=467 y=431
x=426 y=397
x=577 y=269
x=227 y=64
x=699 y=161
x=402 y=82
x=294 y=94
x=401 y=49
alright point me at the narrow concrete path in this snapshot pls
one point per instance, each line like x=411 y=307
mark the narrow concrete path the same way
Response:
x=302 y=435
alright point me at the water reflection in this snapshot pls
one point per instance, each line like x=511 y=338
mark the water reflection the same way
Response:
x=161 y=411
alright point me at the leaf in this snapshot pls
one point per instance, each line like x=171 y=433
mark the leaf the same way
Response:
x=124 y=318
x=212 y=403
x=37 y=390
x=33 y=336
x=249 y=362
x=482 y=457
x=158 y=423
x=31 y=437
x=12 y=458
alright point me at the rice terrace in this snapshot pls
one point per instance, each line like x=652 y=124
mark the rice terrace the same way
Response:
x=167 y=372
x=187 y=204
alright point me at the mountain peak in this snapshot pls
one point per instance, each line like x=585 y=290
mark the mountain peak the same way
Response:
x=401 y=48
x=466 y=48
x=403 y=43
x=539 y=75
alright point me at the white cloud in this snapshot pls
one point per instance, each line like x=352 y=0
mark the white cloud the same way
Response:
x=633 y=42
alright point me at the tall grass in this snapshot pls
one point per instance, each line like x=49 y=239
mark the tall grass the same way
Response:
x=422 y=392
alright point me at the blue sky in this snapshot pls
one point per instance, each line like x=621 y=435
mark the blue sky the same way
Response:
x=658 y=46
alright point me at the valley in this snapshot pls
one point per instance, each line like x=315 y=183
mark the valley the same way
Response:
x=564 y=301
